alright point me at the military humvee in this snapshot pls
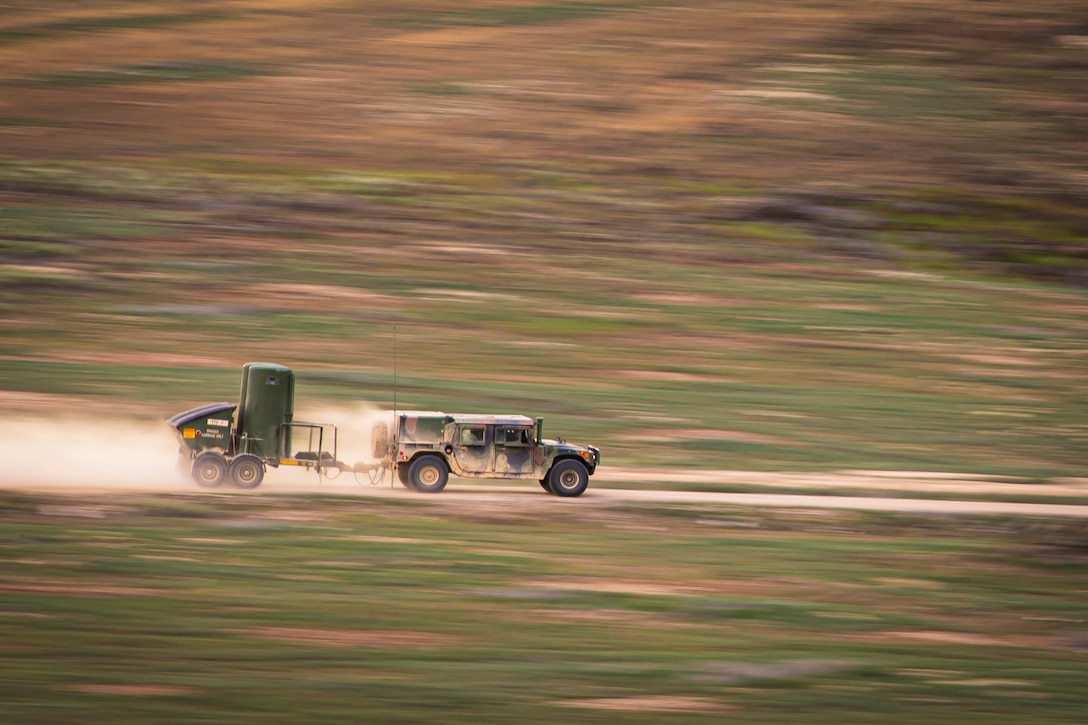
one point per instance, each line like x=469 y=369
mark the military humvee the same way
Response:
x=428 y=446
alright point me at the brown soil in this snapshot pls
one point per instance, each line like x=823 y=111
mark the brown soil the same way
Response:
x=78 y=590
x=625 y=617
x=649 y=703
x=374 y=639
x=135 y=690
x=955 y=638
x=616 y=586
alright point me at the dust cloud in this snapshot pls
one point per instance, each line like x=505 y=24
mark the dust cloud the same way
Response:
x=73 y=452
x=354 y=426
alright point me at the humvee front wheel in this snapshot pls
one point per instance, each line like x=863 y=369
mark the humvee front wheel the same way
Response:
x=428 y=474
x=545 y=485
x=568 y=478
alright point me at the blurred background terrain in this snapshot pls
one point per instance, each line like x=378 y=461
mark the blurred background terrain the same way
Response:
x=766 y=236
x=788 y=239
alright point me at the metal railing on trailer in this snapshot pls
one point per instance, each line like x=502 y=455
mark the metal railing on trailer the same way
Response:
x=311 y=458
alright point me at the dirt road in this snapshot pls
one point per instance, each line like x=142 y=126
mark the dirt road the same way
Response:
x=516 y=495
x=876 y=491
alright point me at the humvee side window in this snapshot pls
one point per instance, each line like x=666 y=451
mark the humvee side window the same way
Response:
x=472 y=436
x=516 y=437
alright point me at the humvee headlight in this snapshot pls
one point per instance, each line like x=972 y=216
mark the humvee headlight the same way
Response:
x=585 y=455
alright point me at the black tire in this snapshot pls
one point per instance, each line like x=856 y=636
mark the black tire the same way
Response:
x=209 y=470
x=568 y=478
x=246 y=471
x=402 y=475
x=428 y=474
x=545 y=485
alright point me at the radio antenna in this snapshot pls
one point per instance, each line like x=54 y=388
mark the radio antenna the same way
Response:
x=394 y=438
x=394 y=369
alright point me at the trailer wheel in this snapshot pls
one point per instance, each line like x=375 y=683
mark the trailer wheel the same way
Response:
x=428 y=474
x=209 y=470
x=568 y=478
x=247 y=471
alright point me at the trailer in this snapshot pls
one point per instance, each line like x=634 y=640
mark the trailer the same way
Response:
x=238 y=441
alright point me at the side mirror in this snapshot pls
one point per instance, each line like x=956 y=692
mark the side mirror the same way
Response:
x=539 y=430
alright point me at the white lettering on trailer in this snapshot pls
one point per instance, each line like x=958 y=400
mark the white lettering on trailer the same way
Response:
x=217 y=422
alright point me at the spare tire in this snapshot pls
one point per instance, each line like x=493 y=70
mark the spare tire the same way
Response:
x=379 y=434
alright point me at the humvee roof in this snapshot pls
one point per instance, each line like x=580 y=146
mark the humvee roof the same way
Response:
x=492 y=419
x=471 y=419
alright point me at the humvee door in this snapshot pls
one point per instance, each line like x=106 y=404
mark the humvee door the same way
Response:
x=472 y=447
x=514 y=449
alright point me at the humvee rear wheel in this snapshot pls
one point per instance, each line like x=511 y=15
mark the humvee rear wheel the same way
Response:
x=568 y=478
x=247 y=471
x=428 y=474
x=402 y=475
x=209 y=470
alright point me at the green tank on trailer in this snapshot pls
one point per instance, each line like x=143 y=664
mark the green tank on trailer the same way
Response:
x=266 y=410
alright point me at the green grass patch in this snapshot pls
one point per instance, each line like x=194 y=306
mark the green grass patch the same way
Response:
x=517 y=15
x=446 y=90
x=23 y=121
x=890 y=93
x=77 y=224
x=139 y=21
x=182 y=71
